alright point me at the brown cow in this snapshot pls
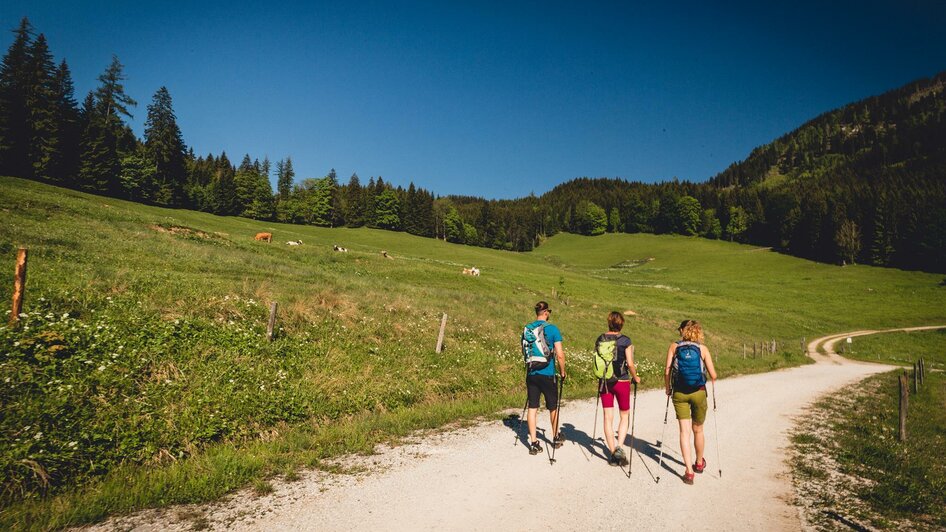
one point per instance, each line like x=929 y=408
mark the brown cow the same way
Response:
x=268 y=237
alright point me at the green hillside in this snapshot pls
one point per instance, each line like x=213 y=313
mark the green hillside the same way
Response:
x=141 y=376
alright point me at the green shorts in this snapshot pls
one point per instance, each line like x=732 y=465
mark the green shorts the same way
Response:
x=691 y=404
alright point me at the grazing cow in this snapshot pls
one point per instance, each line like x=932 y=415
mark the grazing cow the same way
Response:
x=339 y=249
x=385 y=255
x=475 y=272
x=265 y=237
x=294 y=243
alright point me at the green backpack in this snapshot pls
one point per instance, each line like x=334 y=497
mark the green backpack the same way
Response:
x=606 y=352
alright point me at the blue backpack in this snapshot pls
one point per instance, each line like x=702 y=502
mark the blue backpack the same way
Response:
x=688 y=366
x=536 y=352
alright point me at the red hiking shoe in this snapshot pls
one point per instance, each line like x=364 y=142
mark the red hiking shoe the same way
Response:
x=688 y=478
x=700 y=467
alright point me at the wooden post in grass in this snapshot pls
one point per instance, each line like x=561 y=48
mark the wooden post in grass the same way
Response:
x=19 y=286
x=804 y=350
x=904 y=403
x=443 y=327
x=743 y=351
x=916 y=377
x=922 y=370
x=753 y=349
x=272 y=322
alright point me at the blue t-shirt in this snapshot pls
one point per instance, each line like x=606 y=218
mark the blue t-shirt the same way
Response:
x=552 y=335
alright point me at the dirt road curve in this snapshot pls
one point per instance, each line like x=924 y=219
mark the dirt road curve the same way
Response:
x=477 y=479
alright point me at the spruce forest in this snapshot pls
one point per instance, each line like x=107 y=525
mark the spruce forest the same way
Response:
x=865 y=183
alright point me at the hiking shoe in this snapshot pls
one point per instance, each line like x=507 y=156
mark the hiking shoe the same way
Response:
x=700 y=467
x=620 y=456
x=688 y=478
x=558 y=441
x=535 y=448
x=613 y=460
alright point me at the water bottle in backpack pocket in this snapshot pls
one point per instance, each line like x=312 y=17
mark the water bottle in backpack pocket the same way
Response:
x=536 y=353
x=688 y=366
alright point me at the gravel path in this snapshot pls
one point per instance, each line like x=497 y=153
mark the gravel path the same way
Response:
x=478 y=479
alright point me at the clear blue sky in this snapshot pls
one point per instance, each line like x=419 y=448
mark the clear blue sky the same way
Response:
x=497 y=99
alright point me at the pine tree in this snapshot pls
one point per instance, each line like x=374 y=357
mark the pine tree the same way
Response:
x=110 y=96
x=106 y=136
x=285 y=175
x=354 y=203
x=44 y=145
x=369 y=196
x=335 y=200
x=96 y=166
x=65 y=168
x=882 y=246
x=164 y=145
x=14 y=113
x=222 y=189
x=409 y=219
x=245 y=182
x=266 y=171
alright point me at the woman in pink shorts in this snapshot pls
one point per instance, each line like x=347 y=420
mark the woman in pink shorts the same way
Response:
x=620 y=387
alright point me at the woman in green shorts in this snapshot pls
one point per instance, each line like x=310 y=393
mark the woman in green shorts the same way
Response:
x=688 y=362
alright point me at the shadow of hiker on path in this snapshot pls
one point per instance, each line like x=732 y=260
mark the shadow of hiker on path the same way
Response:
x=646 y=449
x=521 y=427
x=596 y=447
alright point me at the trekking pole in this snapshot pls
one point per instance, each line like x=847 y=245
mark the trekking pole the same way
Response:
x=630 y=450
x=519 y=427
x=526 y=404
x=558 y=419
x=716 y=426
x=594 y=432
x=660 y=462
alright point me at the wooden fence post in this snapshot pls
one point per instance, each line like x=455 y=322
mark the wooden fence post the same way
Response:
x=272 y=322
x=19 y=286
x=916 y=377
x=904 y=394
x=922 y=370
x=443 y=327
x=743 y=351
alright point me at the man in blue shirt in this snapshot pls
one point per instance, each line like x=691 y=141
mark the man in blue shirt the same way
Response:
x=542 y=381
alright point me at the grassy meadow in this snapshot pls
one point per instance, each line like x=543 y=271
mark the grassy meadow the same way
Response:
x=902 y=348
x=140 y=375
x=851 y=468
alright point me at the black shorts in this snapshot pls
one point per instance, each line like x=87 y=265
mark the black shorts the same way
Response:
x=544 y=384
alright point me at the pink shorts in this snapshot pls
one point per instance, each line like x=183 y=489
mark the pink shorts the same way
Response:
x=621 y=389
